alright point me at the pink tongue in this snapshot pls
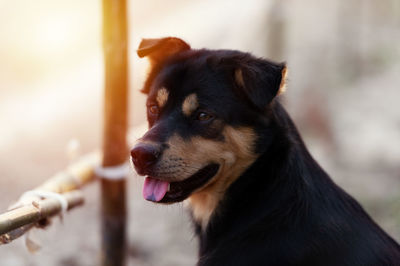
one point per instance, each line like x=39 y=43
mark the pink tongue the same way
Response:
x=154 y=189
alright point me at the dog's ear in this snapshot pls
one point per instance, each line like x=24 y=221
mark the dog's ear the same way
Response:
x=157 y=50
x=260 y=81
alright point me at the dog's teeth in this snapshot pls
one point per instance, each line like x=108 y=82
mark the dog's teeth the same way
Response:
x=169 y=187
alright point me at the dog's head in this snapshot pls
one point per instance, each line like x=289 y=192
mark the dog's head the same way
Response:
x=206 y=110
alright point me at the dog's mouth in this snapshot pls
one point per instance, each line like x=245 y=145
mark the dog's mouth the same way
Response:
x=161 y=191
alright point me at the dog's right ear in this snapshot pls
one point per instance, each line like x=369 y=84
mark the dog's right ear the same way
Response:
x=158 y=50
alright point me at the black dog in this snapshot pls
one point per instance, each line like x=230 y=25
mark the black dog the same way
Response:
x=220 y=138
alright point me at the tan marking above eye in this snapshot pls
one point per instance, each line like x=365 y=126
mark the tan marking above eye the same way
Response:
x=190 y=104
x=162 y=97
x=239 y=77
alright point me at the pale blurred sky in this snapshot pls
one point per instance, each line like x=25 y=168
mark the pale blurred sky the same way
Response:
x=41 y=39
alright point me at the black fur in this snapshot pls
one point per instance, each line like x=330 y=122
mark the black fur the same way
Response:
x=284 y=209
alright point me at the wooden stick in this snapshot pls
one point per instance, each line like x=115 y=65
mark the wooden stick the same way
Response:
x=23 y=213
x=115 y=152
x=14 y=223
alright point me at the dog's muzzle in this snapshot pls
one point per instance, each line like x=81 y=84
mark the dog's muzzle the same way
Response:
x=144 y=156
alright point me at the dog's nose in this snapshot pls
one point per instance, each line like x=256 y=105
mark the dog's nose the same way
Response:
x=144 y=156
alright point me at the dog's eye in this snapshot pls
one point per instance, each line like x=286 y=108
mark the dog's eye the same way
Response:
x=203 y=116
x=154 y=109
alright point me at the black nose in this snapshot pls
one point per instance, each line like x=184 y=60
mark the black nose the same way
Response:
x=144 y=156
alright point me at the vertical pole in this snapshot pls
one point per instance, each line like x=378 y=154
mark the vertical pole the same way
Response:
x=115 y=151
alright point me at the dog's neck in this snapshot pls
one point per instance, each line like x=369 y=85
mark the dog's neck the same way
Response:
x=251 y=198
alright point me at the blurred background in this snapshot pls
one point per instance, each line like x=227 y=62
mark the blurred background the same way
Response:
x=343 y=93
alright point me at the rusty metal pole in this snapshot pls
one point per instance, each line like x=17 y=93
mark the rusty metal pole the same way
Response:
x=115 y=151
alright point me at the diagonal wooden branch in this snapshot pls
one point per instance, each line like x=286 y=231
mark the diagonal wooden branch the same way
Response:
x=26 y=213
x=14 y=223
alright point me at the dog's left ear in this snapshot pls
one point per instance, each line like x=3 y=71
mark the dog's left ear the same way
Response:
x=260 y=81
x=158 y=50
